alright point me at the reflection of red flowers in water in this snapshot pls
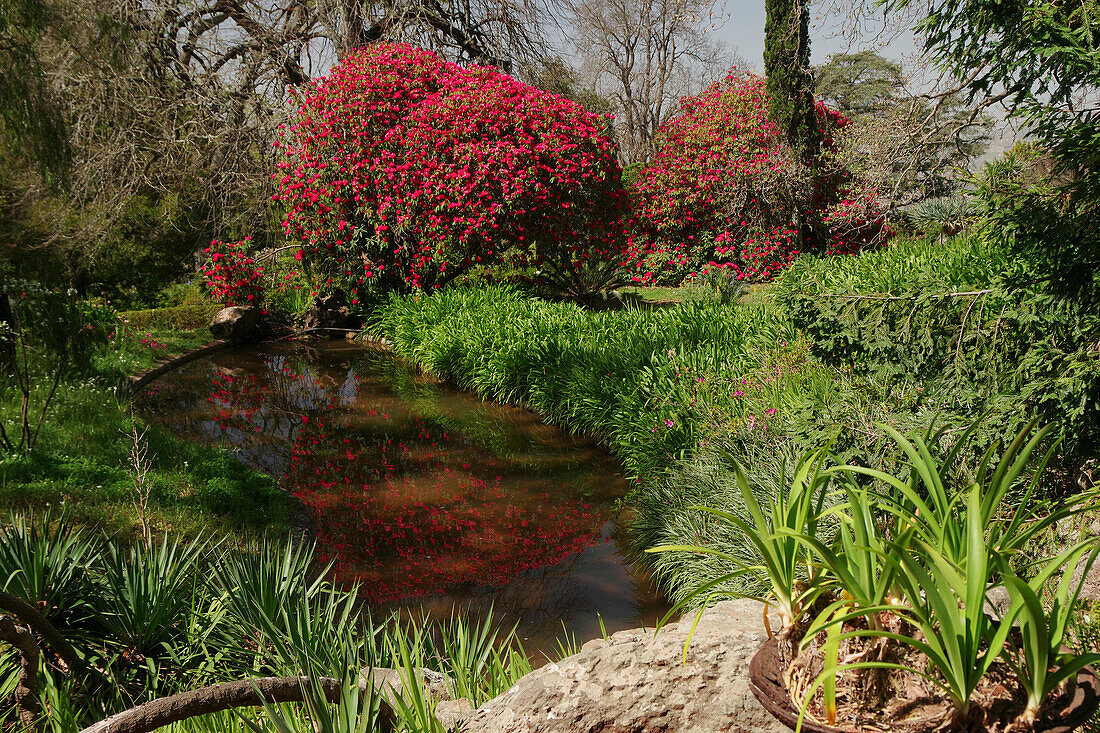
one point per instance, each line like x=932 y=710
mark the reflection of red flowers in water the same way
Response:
x=400 y=520
x=400 y=505
x=238 y=400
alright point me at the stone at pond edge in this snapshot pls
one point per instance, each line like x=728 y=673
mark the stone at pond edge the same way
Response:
x=635 y=681
x=236 y=323
x=451 y=713
x=330 y=311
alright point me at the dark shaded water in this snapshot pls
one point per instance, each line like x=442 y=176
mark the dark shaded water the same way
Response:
x=423 y=495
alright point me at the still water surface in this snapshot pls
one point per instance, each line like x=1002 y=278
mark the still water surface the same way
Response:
x=424 y=496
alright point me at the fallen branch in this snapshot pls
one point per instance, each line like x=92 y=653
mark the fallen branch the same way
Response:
x=215 y=698
x=241 y=693
x=30 y=616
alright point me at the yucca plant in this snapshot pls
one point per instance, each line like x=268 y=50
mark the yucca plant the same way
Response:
x=257 y=586
x=356 y=710
x=149 y=593
x=324 y=628
x=778 y=531
x=315 y=639
x=480 y=661
x=944 y=215
x=51 y=564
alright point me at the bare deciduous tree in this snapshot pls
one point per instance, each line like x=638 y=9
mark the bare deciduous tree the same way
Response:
x=644 y=56
x=502 y=33
x=172 y=108
x=906 y=145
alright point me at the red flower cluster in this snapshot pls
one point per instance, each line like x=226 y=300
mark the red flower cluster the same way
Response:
x=403 y=168
x=721 y=191
x=232 y=275
x=149 y=342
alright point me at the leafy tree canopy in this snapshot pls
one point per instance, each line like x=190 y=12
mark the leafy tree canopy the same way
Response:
x=1041 y=58
x=856 y=84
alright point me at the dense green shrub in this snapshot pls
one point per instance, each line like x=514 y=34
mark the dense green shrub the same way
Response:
x=192 y=316
x=965 y=320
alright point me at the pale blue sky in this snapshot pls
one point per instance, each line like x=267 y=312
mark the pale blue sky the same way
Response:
x=744 y=29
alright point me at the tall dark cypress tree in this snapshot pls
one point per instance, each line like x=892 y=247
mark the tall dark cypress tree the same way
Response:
x=789 y=82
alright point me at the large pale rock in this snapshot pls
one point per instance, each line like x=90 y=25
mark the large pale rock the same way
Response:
x=635 y=681
x=389 y=682
x=236 y=323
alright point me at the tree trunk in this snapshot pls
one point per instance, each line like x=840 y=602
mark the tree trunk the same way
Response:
x=7 y=337
x=242 y=693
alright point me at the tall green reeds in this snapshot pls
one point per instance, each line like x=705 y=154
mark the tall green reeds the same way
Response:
x=648 y=381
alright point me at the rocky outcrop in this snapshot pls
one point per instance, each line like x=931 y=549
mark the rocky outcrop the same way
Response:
x=330 y=312
x=236 y=323
x=636 y=681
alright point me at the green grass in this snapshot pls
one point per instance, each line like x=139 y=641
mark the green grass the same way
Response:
x=654 y=294
x=908 y=264
x=81 y=461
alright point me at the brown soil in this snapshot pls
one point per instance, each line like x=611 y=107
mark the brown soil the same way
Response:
x=903 y=701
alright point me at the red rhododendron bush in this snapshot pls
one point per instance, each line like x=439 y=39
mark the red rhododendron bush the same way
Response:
x=403 y=170
x=723 y=188
x=233 y=276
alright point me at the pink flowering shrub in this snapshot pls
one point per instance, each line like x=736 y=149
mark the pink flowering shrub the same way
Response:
x=403 y=170
x=232 y=275
x=721 y=192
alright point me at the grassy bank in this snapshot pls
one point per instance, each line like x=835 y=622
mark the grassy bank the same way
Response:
x=82 y=460
x=650 y=382
x=912 y=335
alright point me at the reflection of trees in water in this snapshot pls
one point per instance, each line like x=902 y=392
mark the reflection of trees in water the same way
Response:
x=329 y=420
x=509 y=433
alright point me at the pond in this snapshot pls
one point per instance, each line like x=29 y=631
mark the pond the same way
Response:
x=424 y=496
